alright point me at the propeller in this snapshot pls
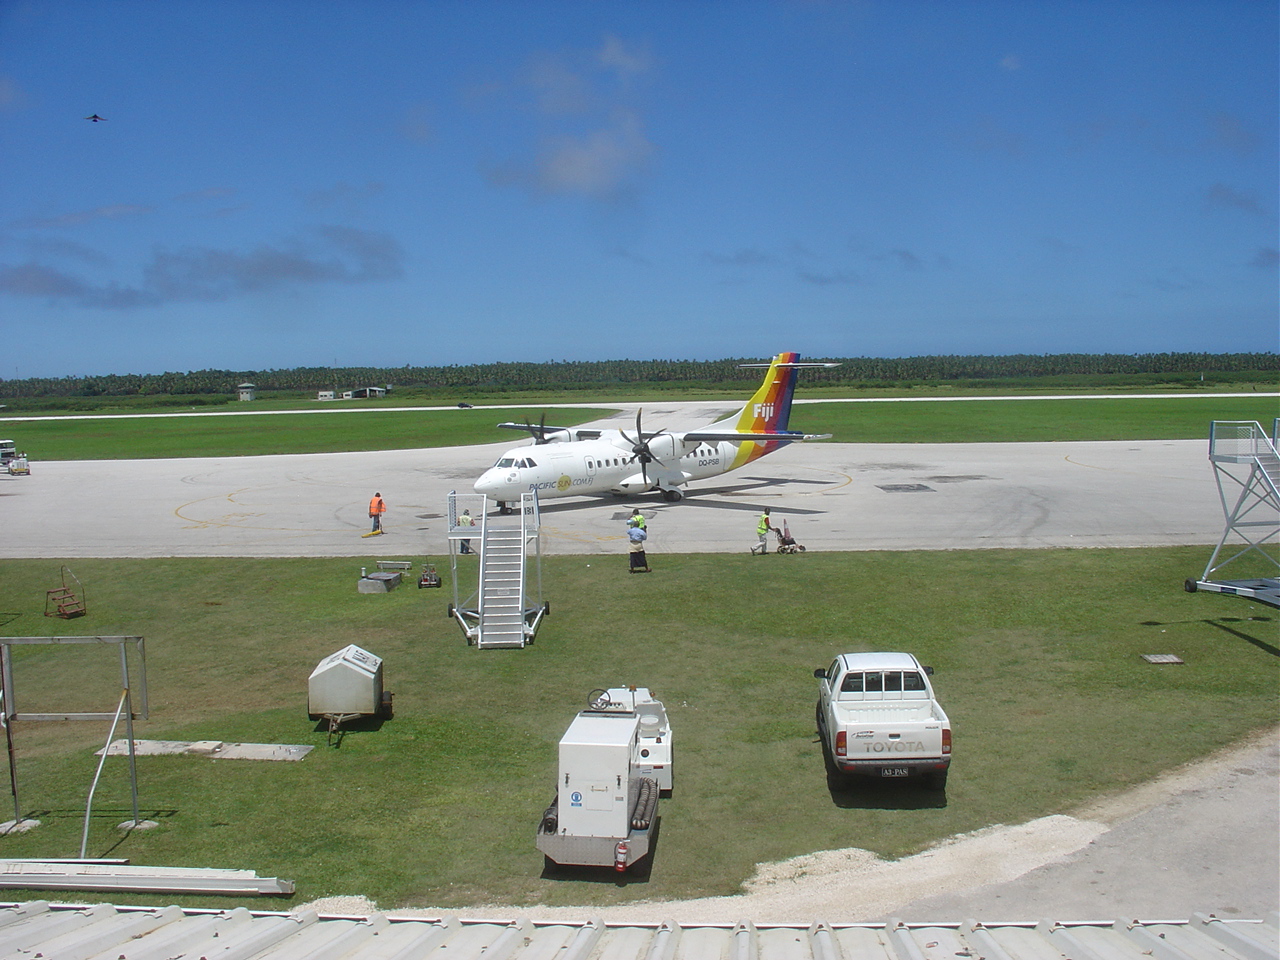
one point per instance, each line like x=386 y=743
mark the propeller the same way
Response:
x=640 y=447
x=540 y=431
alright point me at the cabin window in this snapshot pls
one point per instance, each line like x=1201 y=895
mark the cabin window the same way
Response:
x=893 y=681
x=912 y=681
x=873 y=681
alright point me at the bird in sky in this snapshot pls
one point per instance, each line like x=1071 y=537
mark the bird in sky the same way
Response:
x=95 y=118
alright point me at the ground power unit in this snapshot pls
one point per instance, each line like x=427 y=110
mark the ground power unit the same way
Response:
x=615 y=761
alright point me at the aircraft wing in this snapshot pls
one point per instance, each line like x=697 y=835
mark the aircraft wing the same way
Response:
x=534 y=428
x=739 y=436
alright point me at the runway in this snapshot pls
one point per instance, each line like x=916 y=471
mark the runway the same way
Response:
x=833 y=496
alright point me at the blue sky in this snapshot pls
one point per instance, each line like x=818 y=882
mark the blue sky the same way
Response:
x=281 y=183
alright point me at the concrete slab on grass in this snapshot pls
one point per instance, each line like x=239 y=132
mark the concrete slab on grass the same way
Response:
x=216 y=749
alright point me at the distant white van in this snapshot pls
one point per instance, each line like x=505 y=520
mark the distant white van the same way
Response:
x=7 y=451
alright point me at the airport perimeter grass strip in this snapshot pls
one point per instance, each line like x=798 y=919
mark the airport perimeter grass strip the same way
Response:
x=940 y=421
x=147 y=438
x=1038 y=657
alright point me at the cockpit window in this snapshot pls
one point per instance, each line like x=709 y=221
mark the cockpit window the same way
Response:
x=529 y=462
x=505 y=463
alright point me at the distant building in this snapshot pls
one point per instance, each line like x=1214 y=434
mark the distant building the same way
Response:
x=364 y=393
x=247 y=391
x=326 y=395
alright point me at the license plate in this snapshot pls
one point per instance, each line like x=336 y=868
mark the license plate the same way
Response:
x=894 y=772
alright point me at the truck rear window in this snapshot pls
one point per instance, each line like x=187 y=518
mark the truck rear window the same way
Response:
x=877 y=681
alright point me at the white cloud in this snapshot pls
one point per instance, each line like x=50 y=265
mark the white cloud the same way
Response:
x=625 y=62
x=596 y=164
x=80 y=217
x=332 y=254
x=589 y=136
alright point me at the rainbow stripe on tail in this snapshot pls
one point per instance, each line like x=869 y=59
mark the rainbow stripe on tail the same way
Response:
x=769 y=409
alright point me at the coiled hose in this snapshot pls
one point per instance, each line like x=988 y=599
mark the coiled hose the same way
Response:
x=550 y=817
x=646 y=804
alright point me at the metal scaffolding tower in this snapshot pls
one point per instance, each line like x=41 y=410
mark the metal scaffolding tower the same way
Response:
x=1247 y=470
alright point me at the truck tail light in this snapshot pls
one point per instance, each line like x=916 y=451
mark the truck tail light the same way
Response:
x=946 y=739
x=842 y=744
x=620 y=856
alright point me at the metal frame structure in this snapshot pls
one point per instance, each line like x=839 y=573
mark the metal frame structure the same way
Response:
x=1247 y=470
x=471 y=614
x=9 y=713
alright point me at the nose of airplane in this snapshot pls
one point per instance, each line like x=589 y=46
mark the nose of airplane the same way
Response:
x=488 y=483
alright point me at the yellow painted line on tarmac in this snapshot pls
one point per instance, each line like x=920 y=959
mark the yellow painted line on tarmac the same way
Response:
x=577 y=537
x=1122 y=473
x=236 y=520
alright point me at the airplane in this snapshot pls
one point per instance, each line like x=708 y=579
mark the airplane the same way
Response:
x=579 y=461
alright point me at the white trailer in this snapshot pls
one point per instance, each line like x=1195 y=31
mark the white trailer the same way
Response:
x=615 y=761
x=15 y=463
x=345 y=686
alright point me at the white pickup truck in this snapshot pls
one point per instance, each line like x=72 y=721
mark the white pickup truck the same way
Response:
x=877 y=717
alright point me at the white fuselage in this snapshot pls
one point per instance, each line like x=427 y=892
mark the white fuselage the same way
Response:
x=603 y=466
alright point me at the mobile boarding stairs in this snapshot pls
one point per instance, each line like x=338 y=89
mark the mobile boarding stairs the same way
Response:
x=1247 y=469
x=502 y=612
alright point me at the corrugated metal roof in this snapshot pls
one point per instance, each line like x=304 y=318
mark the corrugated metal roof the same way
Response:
x=106 y=932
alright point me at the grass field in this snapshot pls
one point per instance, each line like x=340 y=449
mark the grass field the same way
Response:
x=1119 y=418
x=1027 y=420
x=1038 y=659
x=215 y=435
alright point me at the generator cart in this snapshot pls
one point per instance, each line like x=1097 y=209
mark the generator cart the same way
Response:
x=615 y=761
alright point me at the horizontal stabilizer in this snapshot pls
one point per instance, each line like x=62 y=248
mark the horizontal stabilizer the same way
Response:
x=741 y=436
x=748 y=366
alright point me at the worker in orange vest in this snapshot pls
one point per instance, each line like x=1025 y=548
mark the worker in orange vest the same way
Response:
x=377 y=507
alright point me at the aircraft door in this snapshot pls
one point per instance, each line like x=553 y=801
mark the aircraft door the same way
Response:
x=589 y=463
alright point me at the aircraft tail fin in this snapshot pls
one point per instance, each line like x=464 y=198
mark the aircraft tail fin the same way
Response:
x=769 y=409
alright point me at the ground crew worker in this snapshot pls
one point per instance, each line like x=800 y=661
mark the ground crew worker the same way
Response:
x=466 y=520
x=762 y=531
x=636 y=519
x=377 y=507
x=639 y=559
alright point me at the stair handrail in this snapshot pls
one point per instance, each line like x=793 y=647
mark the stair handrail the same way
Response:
x=480 y=571
x=1239 y=439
